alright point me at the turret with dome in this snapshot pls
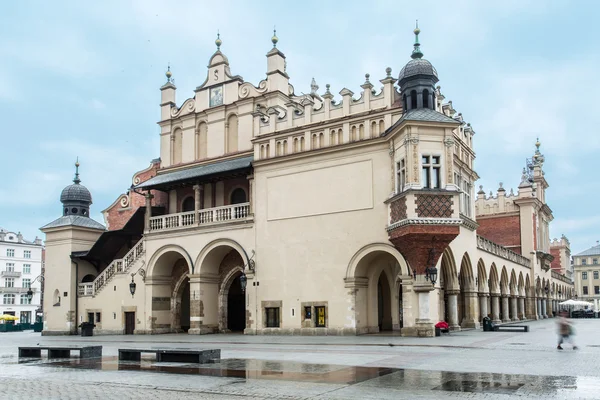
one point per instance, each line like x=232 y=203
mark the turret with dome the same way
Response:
x=417 y=80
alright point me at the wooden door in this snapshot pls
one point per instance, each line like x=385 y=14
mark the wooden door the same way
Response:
x=129 y=323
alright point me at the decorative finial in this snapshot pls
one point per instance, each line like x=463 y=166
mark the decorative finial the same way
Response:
x=274 y=39
x=417 y=50
x=168 y=74
x=314 y=87
x=327 y=86
x=537 y=143
x=218 y=42
x=76 y=180
x=501 y=185
x=388 y=72
x=367 y=76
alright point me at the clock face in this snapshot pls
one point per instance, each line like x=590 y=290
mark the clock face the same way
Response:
x=216 y=96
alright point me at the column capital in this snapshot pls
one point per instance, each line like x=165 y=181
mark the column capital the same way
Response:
x=484 y=294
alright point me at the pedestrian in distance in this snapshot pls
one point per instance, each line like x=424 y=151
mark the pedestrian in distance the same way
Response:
x=565 y=331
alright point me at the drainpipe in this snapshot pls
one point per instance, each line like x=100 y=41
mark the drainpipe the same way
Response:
x=76 y=293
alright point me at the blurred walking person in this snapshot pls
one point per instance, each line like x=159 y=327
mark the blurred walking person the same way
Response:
x=565 y=331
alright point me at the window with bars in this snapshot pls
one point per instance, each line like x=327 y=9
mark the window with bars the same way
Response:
x=430 y=172
x=401 y=178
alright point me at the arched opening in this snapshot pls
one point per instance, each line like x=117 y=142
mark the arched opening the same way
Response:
x=426 y=98
x=88 y=278
x=236 y=306
x=238 y=196
x=413 y=99
x=188 y=204
x=384 y=302
x=56 y=298
x=184 y=312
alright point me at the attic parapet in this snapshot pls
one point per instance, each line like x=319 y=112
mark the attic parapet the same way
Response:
x=501 y=203
x=310 y=108
x=560 y=243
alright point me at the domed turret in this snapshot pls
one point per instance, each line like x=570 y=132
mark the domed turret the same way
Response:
x=76 y=198
x=417 y=80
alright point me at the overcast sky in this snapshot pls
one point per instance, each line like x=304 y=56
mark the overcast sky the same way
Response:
x=82 y=79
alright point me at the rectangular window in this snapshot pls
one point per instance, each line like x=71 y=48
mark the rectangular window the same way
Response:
x=595 y=274
x=27 y=254
x=307 y=312
x=585 y=290
x=25 y=299
x=98 y=319
x=10 y=267
x=596 y=289
x=320 y=317
x=26 y=283
x=430 y=173
x=584 y=275
x=584 y=261
x=10 y=252
x=25 y=317
x=594 y=261
x=9 y=282
x=401 y=182
x=8 y=299
x=26 y=268
x=272 y=317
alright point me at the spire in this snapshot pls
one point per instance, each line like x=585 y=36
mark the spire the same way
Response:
x=218 y=42
x=274 y=39
x=417 y=50
x=313 y=87
x=76 y=180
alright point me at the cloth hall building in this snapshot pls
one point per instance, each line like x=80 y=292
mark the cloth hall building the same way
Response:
x=270 y=212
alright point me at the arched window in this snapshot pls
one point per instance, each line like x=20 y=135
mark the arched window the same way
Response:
x=426 y=98
x=295 y=147
x=413 y=99
x=189 y=204
x=373 y=129
x=381 y=127
x=321 y=140
x=232 y=134
x=88 y=278
x=332 y=136
x=201 y=141
x=361 y=132
x=56 y=298
x=177 y=146
x=313 y=144
x=404 y=103
x=353 y=134
x=340 y=139
x=238 y=196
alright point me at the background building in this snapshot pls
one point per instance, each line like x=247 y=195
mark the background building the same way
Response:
x=20 y=265
x=587 y=274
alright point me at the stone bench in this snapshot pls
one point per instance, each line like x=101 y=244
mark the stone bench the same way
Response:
x=511 y=328
x=173 y=355
x=60 y=351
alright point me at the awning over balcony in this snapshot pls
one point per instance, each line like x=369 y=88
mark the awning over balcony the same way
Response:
x=169 y=180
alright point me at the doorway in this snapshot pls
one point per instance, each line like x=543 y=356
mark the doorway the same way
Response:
x=236 y=307
x=129 y=322
x=384 y=312
x=184 y=321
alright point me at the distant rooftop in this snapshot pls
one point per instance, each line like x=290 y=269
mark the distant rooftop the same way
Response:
x=592 y=251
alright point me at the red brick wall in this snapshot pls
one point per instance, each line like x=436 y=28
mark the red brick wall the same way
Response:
x=117 y=215
x=556 y=264
x=503 y=230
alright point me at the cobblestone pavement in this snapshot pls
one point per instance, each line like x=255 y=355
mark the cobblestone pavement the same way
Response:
x=468 y=364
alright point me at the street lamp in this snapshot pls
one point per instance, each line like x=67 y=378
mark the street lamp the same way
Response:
x=243 y=281
x=40 y=277
x=132 y=285
x=431 y=271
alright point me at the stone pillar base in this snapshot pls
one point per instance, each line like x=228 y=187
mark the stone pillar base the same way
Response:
x=471 y=324
x=203 y=330
x=454 y=327
x=409 y=331
x=46 y=332
x=425 y=329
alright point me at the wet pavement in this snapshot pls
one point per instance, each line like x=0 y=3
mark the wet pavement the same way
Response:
x=470 y=364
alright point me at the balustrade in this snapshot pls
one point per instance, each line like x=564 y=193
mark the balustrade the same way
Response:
x=206 y=216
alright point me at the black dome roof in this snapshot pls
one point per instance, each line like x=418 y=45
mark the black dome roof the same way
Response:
x=76 y=192
x=415 y=67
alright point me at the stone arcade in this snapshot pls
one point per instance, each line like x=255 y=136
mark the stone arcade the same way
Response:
x=270 y=212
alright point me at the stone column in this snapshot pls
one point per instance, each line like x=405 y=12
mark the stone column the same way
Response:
x=471 y=318
x=544 y=310
x=539 y=308
x=195 y=311
x=513 y=307
x=495 y=308
x=423 y=325
x=251 y=193
x=530 y=305
x=197 y=202
x=522 y=315
x=453 y=309
x=549 y=305
x=505 y=312
x=483 y=308
x=148 y=214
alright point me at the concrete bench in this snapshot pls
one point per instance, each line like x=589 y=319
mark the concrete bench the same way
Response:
x=511 y=328
x=60 y=351
x=173 y=355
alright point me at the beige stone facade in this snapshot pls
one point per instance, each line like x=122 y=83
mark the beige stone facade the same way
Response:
x=587 y=275
x=333 y=212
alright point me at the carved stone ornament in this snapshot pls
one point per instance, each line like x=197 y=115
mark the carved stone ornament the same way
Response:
x=249 y=90
x=124 y=201
x=187 y=107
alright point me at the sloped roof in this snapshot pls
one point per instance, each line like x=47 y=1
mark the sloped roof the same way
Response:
x=422 y=115
x=74 y=220
x=197 y=172
x=592 y=251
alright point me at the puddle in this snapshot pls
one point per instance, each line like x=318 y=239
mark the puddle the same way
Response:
x=479 y=387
